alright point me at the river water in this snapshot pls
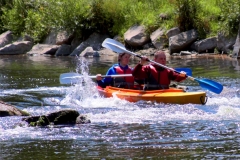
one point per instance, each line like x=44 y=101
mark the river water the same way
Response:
x=118 y=129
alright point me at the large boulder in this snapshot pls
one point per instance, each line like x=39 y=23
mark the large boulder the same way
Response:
x=136 y=36
x=225 y=44
x=58 y=38
x=89 y=52
x=205 y=45
x=21 y=47
x=182 y=41
x=62 y=117
x=44 y=49
x=78 y=50
x=159 y=39
x=63 y=50
x=172 y=32
x=95 y=41
x=6 y=38
x=107 y=52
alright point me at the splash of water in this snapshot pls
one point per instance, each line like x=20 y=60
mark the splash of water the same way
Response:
x=84 y=89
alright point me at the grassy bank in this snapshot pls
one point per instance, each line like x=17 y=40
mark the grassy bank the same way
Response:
x=114 y=17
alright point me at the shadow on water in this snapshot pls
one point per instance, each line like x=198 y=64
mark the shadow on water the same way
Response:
x=119 y=129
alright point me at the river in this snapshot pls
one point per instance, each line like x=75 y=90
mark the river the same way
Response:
x=118 y=129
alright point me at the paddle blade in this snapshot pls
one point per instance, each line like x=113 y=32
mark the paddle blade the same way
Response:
x=114 y=45
x=69 y=78
x=187 y=70
x=210 y=85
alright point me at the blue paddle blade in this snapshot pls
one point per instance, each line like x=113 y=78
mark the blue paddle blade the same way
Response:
x=210 y=85
x=187 y=70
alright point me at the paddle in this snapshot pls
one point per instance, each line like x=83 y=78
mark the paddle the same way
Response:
x=204 y=83
x=188 y=71
x=70 y=78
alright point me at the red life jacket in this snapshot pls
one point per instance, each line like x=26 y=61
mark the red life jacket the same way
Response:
x=157 y=79
x=123 y=82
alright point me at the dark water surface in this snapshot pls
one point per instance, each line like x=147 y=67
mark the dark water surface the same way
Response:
x=119 y=129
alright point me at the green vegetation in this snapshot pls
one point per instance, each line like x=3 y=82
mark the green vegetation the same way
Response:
x=82 y=17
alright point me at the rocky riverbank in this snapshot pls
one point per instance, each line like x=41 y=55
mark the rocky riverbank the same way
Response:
x=135 y=39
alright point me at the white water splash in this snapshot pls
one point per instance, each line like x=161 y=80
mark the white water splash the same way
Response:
x=84 y=89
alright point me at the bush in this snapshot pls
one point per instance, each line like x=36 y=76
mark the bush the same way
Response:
x=114 y=17
x=230 y=12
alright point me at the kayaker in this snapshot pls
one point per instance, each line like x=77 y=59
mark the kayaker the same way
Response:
x=155 y=76
x=120 y=68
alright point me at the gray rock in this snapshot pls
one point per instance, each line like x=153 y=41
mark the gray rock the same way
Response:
x=63 y=50
x=9 y=110
x=21 y=47
x=95 y=41
x=182 y=41
x=58 y=38
x=44 y=49
x=62 y=117
x=6 y=38
x=205 y=45
x=172 y=32
x=136 y=36
x=159 y=39
x=89 y=52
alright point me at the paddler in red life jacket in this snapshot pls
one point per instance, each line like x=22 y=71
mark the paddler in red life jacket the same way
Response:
x=156 y=77
x=120 y=68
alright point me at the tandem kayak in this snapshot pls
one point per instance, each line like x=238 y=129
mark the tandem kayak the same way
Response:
x=172 y=95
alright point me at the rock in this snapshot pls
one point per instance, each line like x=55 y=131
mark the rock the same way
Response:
x=26 y=38
x=58 y=38
x=63 y=50
x=136 y=36
x=78 y=50
x=163 y=16
x=57 y=118
x=95 y=41
x=205 y=45
x=43 y=49
x=107 y=52
x=89 y=52
x=159 y=39
x=6 y=38
x=185 y=53
x=172 y=32
x=75 y=43
x=21 y=47
x=182 y=41
x=9 y=110
x=81 y=119
x=226 y=43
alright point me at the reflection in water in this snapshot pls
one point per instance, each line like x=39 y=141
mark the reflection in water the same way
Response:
x=119 y=129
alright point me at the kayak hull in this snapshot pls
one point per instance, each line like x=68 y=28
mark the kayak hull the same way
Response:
x=172 y=95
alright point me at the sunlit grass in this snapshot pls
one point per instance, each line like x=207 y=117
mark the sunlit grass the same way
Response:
x=115 y=17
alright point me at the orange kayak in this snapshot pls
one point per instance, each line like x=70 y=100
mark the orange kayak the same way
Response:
x=172 y=95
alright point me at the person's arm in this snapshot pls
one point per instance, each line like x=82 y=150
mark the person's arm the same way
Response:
x=108 y=80
x=177 y=77
x=140 y=71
